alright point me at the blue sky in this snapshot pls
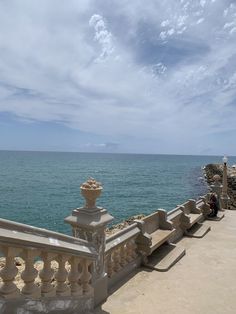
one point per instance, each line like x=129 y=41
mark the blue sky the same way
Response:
x=118 y=76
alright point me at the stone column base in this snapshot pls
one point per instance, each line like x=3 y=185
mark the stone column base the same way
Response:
x=100 y=290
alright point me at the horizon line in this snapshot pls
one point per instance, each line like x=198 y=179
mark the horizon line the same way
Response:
x=110 y=153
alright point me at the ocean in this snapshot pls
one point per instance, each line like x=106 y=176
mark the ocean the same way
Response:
x=42 y=188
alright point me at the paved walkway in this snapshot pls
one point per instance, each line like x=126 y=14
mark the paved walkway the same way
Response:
x=202 y=282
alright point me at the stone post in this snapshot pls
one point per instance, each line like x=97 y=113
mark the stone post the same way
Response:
x=89 y=223
x=224 y=196
x=216 y=187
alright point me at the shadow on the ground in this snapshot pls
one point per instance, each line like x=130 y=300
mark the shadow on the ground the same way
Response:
x=117 y=286
x=127 y=278
x=214 y=218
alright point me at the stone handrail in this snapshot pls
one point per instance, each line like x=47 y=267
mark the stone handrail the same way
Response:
x=27 y=229
x=72 y=276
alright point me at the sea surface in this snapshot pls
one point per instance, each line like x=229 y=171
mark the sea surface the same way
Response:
x=42 y=188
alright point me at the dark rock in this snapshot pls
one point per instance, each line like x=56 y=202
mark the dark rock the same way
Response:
x=212 y=169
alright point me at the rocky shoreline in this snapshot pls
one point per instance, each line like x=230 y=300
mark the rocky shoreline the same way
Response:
x=115 y=228
x=213 y=169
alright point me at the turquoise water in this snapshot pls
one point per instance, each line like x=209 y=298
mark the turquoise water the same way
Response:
x=41 y=188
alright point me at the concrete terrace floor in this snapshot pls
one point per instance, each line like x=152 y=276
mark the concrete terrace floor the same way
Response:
x=202 y=282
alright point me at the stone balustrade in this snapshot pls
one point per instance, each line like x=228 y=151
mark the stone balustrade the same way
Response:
x=121 y=254
x=70 y=278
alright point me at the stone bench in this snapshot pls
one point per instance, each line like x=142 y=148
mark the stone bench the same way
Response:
x=203 y=204
x=191 y=214
x=192 y=218
x=155 y=230
x=156 y=233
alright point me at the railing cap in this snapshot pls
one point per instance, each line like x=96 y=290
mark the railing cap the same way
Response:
x=24 y=240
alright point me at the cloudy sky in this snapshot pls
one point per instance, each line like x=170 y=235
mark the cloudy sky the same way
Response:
x=118 y=76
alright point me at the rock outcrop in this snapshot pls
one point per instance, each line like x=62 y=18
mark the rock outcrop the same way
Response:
x=115 y=228
x=212 y=169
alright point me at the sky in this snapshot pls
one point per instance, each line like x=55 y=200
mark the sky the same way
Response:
x=118 y=76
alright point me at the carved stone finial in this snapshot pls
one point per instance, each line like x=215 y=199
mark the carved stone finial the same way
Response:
x=91 y=190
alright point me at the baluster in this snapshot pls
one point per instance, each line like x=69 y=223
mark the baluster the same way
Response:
x=29 y=274
x=109 y=265
x=116 y=259
x=62 y=288
x=75 y=232
x=123 y=261
x=46 y=275
x=74 y=276
x=8 y=273
x=86 y=276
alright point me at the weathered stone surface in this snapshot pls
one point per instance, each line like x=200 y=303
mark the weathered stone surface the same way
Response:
x=64 y=305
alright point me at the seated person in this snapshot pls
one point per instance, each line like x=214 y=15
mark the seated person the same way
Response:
x=213 y=205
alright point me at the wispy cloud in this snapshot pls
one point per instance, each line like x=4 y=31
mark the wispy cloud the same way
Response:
x=102 y=35
x=122 y=70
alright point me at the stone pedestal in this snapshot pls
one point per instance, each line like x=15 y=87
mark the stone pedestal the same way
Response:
x=224 y=195
x=89 y=223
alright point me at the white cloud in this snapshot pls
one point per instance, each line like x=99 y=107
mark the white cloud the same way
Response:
x=200 y=20
x=228 y=25
x=233 y=30
x=102 y=35
x=159 y=68
x=121 y=70
x=171 y=31
x=165 y=23
x=230 y=16
x=163 y=35
x=203 y=3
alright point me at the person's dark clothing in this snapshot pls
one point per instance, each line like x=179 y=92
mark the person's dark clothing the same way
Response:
x=213 y=206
